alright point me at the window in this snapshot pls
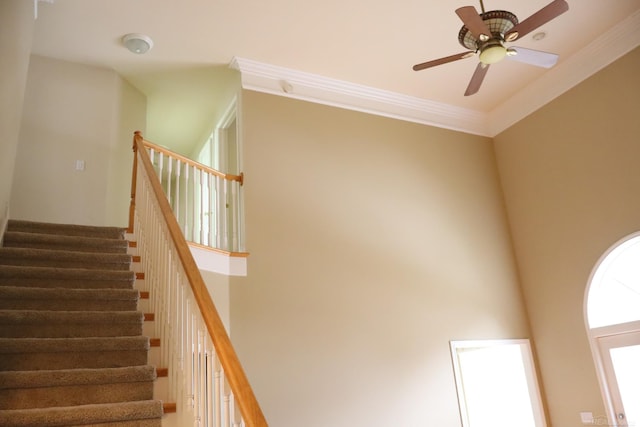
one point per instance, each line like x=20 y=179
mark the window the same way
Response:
x=614 y=293
x=613 y=322
x=496 y=384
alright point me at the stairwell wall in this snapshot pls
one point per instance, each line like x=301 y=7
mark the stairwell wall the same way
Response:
x=16 y=35
x=373 y=243
x=75 y=112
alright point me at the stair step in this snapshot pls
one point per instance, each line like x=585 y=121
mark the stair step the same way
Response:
x=31 y=354
x=64 y=259
x=48 y=277
x=53 y=324
x=19 y=239
x=145 y=413
x=59 y=299
x=65 y=229
x=46 y=388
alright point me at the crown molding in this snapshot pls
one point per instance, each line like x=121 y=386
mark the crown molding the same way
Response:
x=295 y=84
x=290 y=83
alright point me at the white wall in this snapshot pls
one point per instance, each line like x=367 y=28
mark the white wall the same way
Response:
x=16 y=34
x=75 y=112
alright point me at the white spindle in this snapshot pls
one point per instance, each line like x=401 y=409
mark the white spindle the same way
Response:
x=196 y=379
x=169 y=178
x=177 y=207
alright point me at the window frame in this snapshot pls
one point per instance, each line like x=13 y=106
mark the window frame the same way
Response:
x=530 y=373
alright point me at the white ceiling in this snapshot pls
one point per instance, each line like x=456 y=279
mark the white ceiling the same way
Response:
x=368 y=43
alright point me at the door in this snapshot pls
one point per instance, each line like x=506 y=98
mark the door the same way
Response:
x=620 y=355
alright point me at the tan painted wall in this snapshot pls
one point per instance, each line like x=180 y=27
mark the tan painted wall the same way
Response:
x=572 y=184
x=373 y=243
x=16 y=33
x=75 y=112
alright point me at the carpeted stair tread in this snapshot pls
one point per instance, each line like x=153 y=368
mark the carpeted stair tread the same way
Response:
x=31 y=354
x=64 y=259
x=63 y=377
x=37 y=316
x=63 y=345
x=144 y=413
x=11 y=275
x=58 y=299
x=71 y=346
x=19 y=239
x=65 y=229
x=69 y=324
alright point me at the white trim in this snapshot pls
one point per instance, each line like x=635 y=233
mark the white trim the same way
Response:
x=530 y=372
x=281 y=81
x=290 y=83
x=219 y=263
x=594 y=333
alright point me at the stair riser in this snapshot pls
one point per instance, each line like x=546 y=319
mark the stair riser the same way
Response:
x=42 y=397
x=121 y=249
x=39 y=262
x=65 y=229
x=65 y=283
x=131 y=414
x=68 y=305
x=68 y=330
x=74 y=360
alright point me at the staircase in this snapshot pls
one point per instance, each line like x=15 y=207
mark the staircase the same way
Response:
x=72 y=351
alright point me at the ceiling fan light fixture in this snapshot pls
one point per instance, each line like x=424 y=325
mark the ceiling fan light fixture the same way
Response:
x=137 y=43
x=493 y=53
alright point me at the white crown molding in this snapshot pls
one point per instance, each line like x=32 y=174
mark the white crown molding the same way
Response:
x=290 y=83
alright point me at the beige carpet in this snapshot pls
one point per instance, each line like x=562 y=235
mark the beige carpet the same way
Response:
x=71 y=346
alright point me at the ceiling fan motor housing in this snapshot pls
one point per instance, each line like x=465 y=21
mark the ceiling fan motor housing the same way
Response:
x=492 y=50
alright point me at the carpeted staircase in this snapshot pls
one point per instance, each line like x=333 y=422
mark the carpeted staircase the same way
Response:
x=72 y=351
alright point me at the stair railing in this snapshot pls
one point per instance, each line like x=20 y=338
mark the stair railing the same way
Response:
x=206 y=203
x=206 y=379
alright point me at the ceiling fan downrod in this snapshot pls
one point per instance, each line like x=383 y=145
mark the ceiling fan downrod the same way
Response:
x=482 y=6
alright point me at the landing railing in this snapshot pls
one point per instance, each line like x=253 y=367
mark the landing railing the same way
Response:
x=206 y=379
x=206 y=203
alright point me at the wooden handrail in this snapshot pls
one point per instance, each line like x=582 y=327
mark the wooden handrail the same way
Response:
x=200 y=166
x=246 y=400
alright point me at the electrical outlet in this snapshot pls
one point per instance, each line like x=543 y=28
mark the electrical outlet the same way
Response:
x=79 y=165
x=586 y=417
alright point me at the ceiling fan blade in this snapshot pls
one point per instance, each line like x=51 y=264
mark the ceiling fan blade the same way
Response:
x=476 y=79
x=471 y=19
x=534 y=57
x=444 y=60
x=541 y=17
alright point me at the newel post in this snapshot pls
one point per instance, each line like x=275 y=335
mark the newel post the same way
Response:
x=137 y=137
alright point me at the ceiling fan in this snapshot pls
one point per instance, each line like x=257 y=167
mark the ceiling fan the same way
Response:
x=486 y=34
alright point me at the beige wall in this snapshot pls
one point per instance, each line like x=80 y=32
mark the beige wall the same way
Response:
x=75 y=112
x=16 y=33
x=373 y=243
x=571 y=184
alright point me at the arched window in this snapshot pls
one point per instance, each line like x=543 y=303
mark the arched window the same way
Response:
x=613 y=322
x=614 y=293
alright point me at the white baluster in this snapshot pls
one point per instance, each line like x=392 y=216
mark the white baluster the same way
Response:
x=169 y=179
x=177 y=209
